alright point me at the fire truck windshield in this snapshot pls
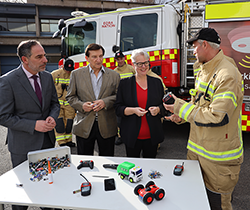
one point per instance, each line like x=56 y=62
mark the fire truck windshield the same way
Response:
x=138 y=31
x=78 y=39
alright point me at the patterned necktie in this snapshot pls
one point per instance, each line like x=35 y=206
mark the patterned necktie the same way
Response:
x=37 y=88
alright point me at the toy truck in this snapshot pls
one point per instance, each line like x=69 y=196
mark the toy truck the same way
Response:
x=150 y=192
x=130 y=171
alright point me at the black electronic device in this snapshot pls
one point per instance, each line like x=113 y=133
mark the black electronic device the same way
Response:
x=86 y=163
x=178 y=169
x=168 y=98
x=85 y=188
x=113 y=166
x=109 y=184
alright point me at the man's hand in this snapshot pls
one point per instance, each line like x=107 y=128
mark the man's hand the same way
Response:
x=45 y=125
x=87 y=106
x=170 y=107
x=98 y=105
x=50 y=121
x=174 y=118
x=154 y=110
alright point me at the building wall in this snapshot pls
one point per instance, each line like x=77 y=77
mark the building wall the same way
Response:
x=20 y=22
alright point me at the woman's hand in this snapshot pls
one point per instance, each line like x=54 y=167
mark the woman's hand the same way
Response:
x=154 y=110
x=135 y=110
x=140 y=111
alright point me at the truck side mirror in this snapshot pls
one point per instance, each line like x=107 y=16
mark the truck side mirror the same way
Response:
x=63 y=31
x=56 y=34
x=61 y=24
x=115 y=48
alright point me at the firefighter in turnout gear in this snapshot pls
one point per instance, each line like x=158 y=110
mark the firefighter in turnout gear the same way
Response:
x=125 y=70
x=64 y=122
x=214 y=114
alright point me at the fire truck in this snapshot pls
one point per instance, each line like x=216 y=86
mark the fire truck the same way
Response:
x=162 y=30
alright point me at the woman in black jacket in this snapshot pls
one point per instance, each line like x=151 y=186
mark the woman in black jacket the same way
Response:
x=139 y=104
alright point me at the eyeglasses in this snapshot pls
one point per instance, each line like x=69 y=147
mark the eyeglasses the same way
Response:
x=146 y=63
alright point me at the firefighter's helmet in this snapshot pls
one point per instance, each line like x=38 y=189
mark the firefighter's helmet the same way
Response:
x=69 y=65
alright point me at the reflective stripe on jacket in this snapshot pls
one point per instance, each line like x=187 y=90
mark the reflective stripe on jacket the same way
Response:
x=125 y=71
x=125 y=75
x=62 y=102
x=215 y=117
x=61 y=77
x=63 y=137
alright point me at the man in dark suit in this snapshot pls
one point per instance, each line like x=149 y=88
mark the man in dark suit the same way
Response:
x=92 y=92
x=29 y=104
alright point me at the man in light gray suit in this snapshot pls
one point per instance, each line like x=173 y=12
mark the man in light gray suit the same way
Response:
x=92 y=92
x=28 y=105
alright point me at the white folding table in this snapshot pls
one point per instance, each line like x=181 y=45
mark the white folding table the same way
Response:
x=185 y=192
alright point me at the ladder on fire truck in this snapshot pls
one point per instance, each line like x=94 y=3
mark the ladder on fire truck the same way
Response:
x=193 y=20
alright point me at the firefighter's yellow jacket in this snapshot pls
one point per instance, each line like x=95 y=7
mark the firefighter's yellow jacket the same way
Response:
x=215 y=118
x=125 y=71
x=60 y=77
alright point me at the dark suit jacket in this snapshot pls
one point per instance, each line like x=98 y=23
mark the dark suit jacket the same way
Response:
x=127 y=97
x=80 y=91
x=20 y=108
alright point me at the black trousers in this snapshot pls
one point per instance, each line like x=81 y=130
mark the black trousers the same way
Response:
x=142 y=145
x=85 y=146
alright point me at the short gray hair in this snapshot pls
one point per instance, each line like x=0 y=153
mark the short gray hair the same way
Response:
x=137 y=52
x=212 y=44
x=24 y=48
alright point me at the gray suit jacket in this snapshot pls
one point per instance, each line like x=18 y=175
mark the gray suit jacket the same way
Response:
x=80 y=91
x=20 y=108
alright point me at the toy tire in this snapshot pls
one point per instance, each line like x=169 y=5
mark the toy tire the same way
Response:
x=122 y=177
x=149 y=184
x=159 y=194
x=138 y=188
x=148 y=198
x=131 y=180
